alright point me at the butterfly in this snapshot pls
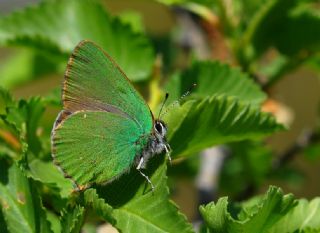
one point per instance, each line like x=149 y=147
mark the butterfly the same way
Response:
x=105 y=127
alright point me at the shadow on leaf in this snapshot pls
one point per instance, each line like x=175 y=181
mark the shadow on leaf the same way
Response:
x=123 y=189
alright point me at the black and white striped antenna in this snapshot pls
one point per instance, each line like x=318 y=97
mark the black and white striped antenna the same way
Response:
x=174 y=103
x=165 y=100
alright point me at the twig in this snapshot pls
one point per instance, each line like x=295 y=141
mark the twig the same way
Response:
x=305 y=139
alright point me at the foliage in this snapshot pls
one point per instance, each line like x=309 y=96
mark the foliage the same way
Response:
x=225 y=107
x=258 y=215
x=57 y=36
x=274 y=212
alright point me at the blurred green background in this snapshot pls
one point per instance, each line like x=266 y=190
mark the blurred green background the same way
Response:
x=178 y=32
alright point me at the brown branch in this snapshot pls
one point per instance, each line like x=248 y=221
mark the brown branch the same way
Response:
x=304 y=140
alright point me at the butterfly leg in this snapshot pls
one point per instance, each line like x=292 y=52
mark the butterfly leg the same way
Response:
x=140 y=165
x=168 y=151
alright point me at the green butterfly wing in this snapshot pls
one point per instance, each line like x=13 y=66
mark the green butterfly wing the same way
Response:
x=96 y=146
x=93 y=81
x=105 y=123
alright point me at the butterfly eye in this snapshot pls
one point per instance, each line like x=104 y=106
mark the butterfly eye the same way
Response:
x=160 y=128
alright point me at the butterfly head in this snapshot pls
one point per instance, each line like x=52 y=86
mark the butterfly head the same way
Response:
x=160 y=143
x=160 y=128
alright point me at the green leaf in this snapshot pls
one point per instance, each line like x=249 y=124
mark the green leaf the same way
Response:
x=312 y=152
x=257 y=217
x=5 y=100
x=276 y=23
x=308 y=230
x=199 y=124
x=137 y=209
x=303 y=218
x=304 y=24
x=72 y=219
x=31 y=66
x=58 y=26
x=20 y=202
x=54 y=222
x=141 y=211
x=132 y=18
x=246 y=9
x=314 y=63
x=99 y=205
x=250 y=162
x=25 y=119
x=53 y=98
x=3 y=226
x=10 y=75
x=214 y=78
x=20 y=132
x=47 y=173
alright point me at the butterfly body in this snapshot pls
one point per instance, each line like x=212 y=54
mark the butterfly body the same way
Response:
x=105 y=127
x=157 y=143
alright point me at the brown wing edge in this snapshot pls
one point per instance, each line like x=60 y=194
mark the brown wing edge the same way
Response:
x=63 y=115
x=70 y=62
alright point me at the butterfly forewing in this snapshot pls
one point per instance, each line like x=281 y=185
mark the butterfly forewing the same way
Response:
x=93 y=81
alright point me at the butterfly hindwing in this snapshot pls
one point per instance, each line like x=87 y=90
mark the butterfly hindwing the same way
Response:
x=87 y=150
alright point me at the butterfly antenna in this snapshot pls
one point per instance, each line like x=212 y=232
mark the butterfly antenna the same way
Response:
x=165 y=100
x=176 y=102
x=187 y=92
